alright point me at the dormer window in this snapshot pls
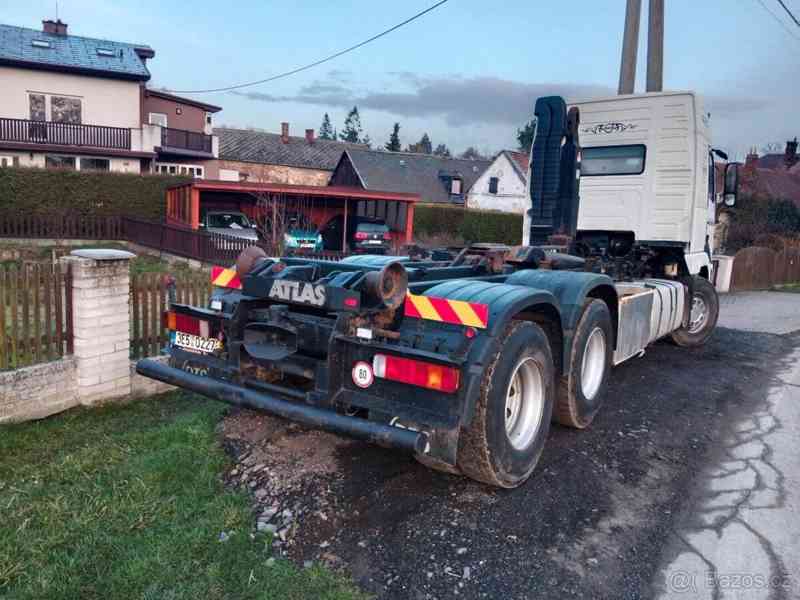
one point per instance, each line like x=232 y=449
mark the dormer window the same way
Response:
x=455 y=186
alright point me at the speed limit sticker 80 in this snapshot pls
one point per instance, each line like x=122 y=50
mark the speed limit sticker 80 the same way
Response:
x=362 y=374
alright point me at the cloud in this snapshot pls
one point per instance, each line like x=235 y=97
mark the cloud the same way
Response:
x=729 y=106
x=458 y=101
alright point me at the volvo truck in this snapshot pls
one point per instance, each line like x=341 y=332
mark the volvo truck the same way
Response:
x=465 y=359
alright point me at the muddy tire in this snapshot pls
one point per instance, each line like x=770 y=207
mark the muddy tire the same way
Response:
x=502 y=444
x=704 y=307
x=581 y=391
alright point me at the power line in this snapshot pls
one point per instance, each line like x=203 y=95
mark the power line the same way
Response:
x=778 y=19
x=790 y=13
x=317 y=62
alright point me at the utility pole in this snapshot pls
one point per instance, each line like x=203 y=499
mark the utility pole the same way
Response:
x=655 y=47
x=630 y=47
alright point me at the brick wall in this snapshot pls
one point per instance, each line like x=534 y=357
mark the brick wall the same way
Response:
x=100 y=368
x=144 y=386
x=269 y=173
x=38 y=391
x=101 y=327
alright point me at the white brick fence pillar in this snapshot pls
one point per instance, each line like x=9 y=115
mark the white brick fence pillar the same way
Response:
x=101 y=323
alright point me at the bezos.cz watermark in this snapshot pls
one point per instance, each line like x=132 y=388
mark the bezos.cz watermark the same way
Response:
x=684 y=581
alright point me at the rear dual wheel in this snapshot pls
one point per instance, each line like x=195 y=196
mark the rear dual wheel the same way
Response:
x=505 y=438
x=582 y=389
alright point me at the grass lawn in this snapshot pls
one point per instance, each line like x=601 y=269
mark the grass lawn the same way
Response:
x=126 y=502
x=789 y=287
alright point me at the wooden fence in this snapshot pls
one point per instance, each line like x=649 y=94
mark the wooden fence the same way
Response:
x=205 y=247
x=758 y=268
x=149 y=300
x=35 y=314
x=61 y=227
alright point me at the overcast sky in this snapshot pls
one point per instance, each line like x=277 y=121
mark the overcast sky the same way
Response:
x=467 y=73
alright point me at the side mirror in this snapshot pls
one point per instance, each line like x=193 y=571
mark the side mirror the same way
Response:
x=731 y=190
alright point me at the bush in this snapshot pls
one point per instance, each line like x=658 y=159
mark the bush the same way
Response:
x=471 y=226
x=758 y=221
x=43 y=192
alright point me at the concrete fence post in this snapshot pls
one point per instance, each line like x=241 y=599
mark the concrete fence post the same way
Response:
x=101 y=323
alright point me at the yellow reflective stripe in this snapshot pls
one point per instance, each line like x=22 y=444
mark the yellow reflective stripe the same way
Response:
x=225 y=277
x=425 y=308
x=465 y=313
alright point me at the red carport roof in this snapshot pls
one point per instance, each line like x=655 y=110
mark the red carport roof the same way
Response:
x=331 y=191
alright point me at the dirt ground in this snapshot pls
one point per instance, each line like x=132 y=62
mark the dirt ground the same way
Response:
x=592 y=522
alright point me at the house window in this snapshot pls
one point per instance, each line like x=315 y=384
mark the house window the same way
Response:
x=37 y=107
x=455 y=186
x=613 y=160
x=195 y=171
x=64 y=109
x=493 y=181
x=208 y=118
x=158 y=119
x=56 y=161
x=95 y=164
x=7 y=161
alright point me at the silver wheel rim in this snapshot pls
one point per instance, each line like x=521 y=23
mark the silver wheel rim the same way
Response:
x=699 y=314
x=524 y=403
x=593 y=366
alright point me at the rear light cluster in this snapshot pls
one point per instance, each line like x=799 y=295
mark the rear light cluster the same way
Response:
x=416 y=372
x=186 y=324
x=360 y=235
x=387 y=236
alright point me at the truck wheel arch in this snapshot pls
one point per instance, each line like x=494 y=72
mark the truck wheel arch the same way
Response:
x=570 y=289
x=505 y=303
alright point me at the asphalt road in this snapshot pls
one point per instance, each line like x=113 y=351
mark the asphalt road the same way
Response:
x=686 y=486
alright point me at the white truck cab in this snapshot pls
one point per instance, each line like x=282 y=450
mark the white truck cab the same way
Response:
x=647 y=173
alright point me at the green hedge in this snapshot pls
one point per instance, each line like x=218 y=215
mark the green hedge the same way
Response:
x=468 y=224
x=32 y=191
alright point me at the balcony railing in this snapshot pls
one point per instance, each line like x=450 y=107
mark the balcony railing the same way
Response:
x=64 y=134
x=185 y=140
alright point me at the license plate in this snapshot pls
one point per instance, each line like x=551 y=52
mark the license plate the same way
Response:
x=373 y=241
x=309 y=245
x=195 y=343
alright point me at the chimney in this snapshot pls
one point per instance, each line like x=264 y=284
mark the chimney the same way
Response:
x=751 y=160
x=790 y=156
x=310 y=136
x=285 y=132
x=57 y=27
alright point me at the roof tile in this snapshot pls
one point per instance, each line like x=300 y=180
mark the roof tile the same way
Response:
x=268 y=148
x=71 y=52
x=422 y=174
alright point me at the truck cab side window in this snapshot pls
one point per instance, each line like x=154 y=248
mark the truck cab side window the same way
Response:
x=613 y=160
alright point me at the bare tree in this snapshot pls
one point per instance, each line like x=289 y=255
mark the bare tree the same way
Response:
x=272 y=221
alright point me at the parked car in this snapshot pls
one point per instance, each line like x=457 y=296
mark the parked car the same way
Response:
x=301 y=233
x=230 y=223
x=364 y=235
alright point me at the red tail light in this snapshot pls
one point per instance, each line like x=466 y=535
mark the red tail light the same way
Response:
x=186 y=324
x=416 y=372
x=360 y=235
x=387 y=236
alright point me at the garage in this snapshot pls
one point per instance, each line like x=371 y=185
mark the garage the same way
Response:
x=338 y=218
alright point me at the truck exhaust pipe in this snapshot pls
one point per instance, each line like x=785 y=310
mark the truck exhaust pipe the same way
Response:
x=376 y=433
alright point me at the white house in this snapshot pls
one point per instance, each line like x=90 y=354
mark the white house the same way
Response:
x=503 y=185
x=79 y=103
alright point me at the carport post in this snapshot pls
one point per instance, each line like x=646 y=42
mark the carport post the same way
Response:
x=409 y=221
x=344 y=228
x=195 y=214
